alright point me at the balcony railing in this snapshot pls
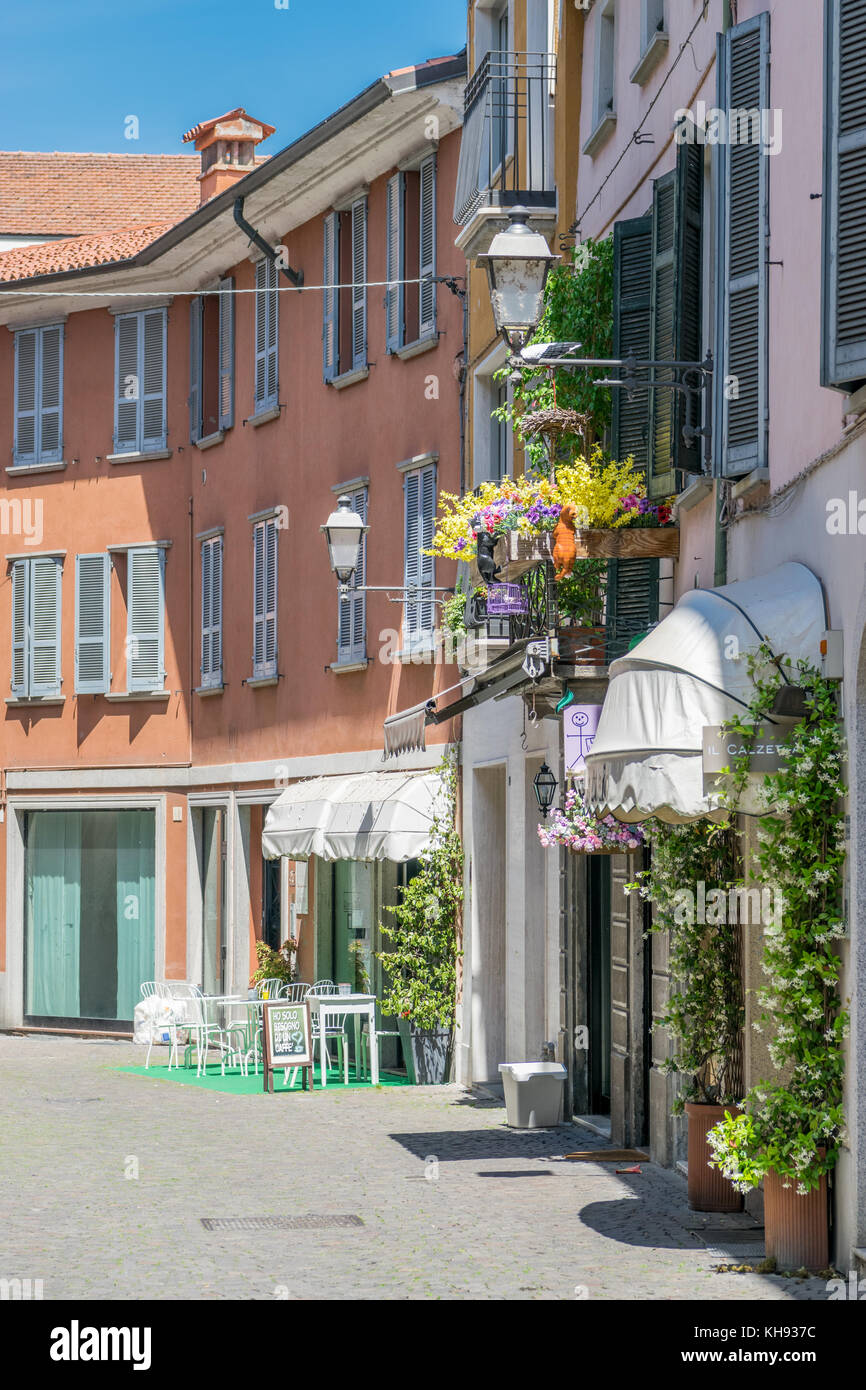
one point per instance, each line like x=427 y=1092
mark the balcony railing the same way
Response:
x=506 y=152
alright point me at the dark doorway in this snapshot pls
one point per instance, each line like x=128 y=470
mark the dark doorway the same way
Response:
x=598 y=914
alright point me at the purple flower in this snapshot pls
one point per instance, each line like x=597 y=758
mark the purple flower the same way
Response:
x=643 y=506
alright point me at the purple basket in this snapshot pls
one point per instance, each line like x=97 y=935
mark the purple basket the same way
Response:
x=506 y=600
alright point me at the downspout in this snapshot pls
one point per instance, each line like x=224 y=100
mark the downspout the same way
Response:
x=295 y=277
x=464 y=374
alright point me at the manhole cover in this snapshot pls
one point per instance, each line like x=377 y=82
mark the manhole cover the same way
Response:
x=724 y=1243
x=277 y=1223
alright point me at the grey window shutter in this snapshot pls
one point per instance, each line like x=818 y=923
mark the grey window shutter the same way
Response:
x=743 y=171
x=153 y=427
x=330 y=296
x=352 y=616
x=92 y=623
x=632 y=603
x=45 y=576
x=20 y=625
x=195 y=367
x=265 y=599
x=127 y=383
x=26 y=382
x=145 y=619
x=359 y=283
x=843 y=354
x=427 y=248
x=261 y=380
x=426 y=562
x=395 y=259
x=50 y=445
x=226 y=353
x=632 y=286
x=273 y=320
x=660 y=478
x=420 y=510
x=412 y=549
x=211 y=611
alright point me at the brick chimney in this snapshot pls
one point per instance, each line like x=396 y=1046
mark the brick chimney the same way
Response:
x=228 y=149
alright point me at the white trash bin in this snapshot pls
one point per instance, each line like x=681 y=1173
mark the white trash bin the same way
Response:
x=533 y=1093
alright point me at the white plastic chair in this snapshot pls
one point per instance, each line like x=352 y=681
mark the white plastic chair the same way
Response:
x=335 y=1031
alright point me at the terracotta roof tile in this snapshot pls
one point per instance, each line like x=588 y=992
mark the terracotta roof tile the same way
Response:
x=76 y=253
x=79 y=194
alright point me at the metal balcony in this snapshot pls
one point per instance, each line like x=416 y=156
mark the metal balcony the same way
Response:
x=506 y=152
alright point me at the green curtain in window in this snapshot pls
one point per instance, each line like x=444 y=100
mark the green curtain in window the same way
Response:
x=53 y=895
x=135 y=906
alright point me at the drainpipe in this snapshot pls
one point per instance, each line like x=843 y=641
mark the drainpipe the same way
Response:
x=295 y=277
x=464 y=376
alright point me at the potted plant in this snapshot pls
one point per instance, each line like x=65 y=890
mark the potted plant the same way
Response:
x=706 y=1015
x=275 y=965
x=575 y=827
x=580 y=608
x=421 y=965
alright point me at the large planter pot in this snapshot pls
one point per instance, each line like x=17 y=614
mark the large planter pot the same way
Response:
x=582 y=646
x=796 y=1227
x=427 y=1052
x=708 y=1189
x=628 y=543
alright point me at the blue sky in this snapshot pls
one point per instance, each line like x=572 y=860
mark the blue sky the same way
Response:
x=71 y=71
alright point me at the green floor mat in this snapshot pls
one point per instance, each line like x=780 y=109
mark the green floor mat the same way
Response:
x=236 y=1084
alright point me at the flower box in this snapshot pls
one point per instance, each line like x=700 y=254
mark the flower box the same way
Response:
x=628 y=543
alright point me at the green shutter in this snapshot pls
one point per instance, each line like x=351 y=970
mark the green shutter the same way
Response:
x=632 y=282
x=632 y=602
x=688 y=294
x=843 y=356
x=660 y=479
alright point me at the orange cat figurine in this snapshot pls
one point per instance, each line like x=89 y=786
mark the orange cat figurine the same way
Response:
x=564 y=547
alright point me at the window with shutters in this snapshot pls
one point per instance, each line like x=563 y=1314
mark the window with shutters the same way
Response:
x=36 y=627
x=742 y=169
x=211 y=362
x=265 y=599
x=843 y=349
x=410 y=255
x=419 y=613
x=145 y=618
x=344 y=299
x=139 y=382
x=492 y=437
x=92 y=624
x=657 y=315
x=212 y=612
x=352 y=610
x=38 y=395
x=267 y=315
x=603 y=98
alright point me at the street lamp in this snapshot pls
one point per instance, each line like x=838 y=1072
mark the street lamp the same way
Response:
x=545 y=785
x=517 y=263
x=343 y=531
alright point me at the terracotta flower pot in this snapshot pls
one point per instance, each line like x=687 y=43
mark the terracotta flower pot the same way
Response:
x=582 y=646
x=708 y=1189
x=796 y=1226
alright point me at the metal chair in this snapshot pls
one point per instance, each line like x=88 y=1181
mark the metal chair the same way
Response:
x=334 y=1031
x=365 y=1043
x=269 y=989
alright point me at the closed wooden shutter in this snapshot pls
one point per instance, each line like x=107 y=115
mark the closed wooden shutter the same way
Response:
x=843 y=356
x=420 y=513
x=632 y=602
x=153 y=373
x=195 y=367
x=211 y=611
x=394 y=261
x=226 y=353
x=660 y=478
x=50 y=447
x=742 y=348
x=127 y=385
x=267 y=386
x=688 y=295
x=632 y=288
x=45 y=576
x=427 y=250
x=145 y=619
x=20 y=625
x=352 y=616
x=330 y=296
x=265 y=600
x=92 y=623
x=26 y=377
x=359 y=283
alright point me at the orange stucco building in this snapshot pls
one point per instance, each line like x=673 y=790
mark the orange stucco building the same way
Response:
x=181 y=405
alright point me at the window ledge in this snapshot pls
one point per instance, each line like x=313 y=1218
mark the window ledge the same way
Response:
x=210 y=440
x=256 y=682
x=421 y=651
x=204 y=690
x=148 y=456
x=697 y=490
x=425 y=344
x=263 y=416
x=604 y=129
x=36 y=699
x=349 y=378
x=341 y=668
x=127 y=696
x=759 y=477
x=36 y=467
x=650 y=58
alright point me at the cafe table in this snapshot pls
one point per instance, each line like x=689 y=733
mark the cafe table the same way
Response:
x=328 y=1006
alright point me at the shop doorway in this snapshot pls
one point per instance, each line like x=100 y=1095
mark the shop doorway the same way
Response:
x=598 y=993
x=214 y=927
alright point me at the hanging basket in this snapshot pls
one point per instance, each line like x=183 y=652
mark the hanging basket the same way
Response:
x=628 y=543
x=553 y=423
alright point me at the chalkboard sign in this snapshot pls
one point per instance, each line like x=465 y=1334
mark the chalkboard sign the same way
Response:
x=287 y=1034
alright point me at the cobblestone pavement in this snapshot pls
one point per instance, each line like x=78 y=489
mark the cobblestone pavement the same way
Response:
x=497 y=1216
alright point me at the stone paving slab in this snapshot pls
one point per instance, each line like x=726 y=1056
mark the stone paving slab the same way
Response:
x=453 y=1204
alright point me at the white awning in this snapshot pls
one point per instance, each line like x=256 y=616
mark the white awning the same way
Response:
x=372 y=815
x=691 y=671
